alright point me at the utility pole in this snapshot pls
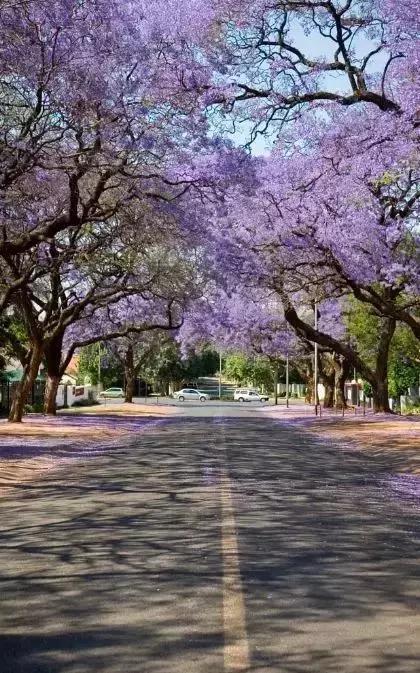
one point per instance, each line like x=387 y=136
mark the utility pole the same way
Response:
x=316 y=361
x=99 y=366
x=220 y=375
x=276 y=379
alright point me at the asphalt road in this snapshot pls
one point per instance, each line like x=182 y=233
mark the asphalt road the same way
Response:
x=212 y=545
x=196 y=408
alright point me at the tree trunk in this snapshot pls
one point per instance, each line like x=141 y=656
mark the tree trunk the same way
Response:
x=380 y=397
x=129 y=373
x=328 y=383
x=378 y=378
x=129 y=387
x=53 y=354
x=380 y=383
x=24 y=387
x=326 y=377
x=275 y=383
x=342 y=370
x=309 y=375
x=50 y=396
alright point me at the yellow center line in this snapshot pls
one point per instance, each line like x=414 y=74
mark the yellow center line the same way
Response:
x=236 y=648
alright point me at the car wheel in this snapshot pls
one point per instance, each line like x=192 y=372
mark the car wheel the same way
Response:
x=181 y=398
x=202 y=398
x=241 y=399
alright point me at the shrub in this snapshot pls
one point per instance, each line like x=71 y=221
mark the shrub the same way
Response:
x=85 y=402
x=36 y=408
x=412 y=408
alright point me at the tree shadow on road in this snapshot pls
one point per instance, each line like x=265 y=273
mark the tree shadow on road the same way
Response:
x=329 y=556
x=113 y=566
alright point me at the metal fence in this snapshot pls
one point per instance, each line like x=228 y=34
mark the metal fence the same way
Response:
x=7 y=391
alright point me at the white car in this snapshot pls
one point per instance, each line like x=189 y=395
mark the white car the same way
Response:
x=190 y=394
x=248 y=395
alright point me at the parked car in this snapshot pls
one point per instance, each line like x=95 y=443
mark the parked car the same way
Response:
x=249 y=395
x=190 y=394
x=112 y=392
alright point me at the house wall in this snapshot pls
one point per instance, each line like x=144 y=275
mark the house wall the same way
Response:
x=68 y=394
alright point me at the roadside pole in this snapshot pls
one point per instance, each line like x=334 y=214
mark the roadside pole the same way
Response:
x=276 y=379
x=316 y=362
x=99 y=368
x=287 y=380
x=220 y=375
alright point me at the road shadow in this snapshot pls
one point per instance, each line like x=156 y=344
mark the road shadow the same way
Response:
x=329 y=554
x=113 y=565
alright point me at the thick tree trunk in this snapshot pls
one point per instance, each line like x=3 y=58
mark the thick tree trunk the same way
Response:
x=342 y=370
x=309 y=375
x=327 y=377
x=24 y=387
x=380 y=383
x=380 y=397
x=328 y=382
x=130 y=374
x=50 y=396
x=275 y=384
x=53 y=364
x=129 y=387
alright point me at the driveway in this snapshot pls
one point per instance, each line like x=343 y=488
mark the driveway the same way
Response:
x=211 y=545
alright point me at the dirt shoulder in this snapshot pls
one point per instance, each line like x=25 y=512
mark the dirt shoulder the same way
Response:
x=399 y=439
x=395 y=438
x=38 y=444
x=97 y=422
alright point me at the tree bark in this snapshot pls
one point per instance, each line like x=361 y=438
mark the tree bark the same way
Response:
x=129 y=388
x=309 y=375
x=327 y=377
x=328 y=383
x=275 y=383
x=50 y=396
x=24 y=387
x=380 y=384
x=342 y=370
x=129 y=373
x=54 y=368
x=380 y=397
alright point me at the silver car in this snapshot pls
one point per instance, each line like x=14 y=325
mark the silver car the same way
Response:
x=112 y=392
x=190 y=394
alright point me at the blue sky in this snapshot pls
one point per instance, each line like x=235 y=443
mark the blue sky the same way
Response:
x=315 y=46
